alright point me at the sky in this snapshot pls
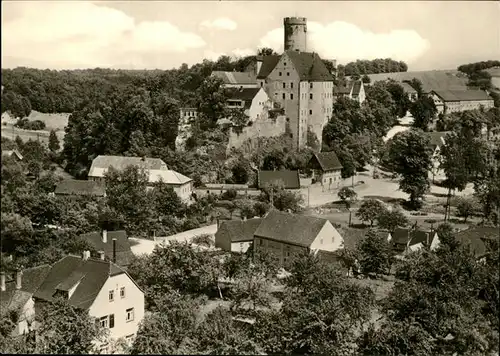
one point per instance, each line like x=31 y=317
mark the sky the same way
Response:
x=164 y=34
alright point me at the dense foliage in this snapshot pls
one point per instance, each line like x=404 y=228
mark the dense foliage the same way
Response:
x=360 y=67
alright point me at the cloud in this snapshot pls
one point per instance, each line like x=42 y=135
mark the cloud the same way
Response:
x=221 y=23
x=84 y=34
x=243 y=52
x=212 y=55
x=347 y=42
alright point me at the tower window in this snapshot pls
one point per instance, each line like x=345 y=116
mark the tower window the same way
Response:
x=279 y=73
x=284 y=85
x=291 y=96
x=310 y=85
x=310 y=112
x=291 y=85
x=287 y=74
x=283 y=95
x=284 y=63
x=310 y=96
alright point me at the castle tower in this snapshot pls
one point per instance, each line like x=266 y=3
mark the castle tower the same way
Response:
x=295 y=33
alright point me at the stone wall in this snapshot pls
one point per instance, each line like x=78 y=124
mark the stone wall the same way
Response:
x=260 y=128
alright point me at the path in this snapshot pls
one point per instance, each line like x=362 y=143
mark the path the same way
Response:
x=145 y=246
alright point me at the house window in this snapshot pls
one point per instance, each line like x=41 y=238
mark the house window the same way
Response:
x=261 y=84
x=310 y=96
x=260 y=242
x=310 y=112
x=291 y=85
x=279 y=74
x=130 y=315
x=287 y=74
x=111 y=295
x=112 y=321
x=310 y=85
x=284 y=95
x=291 y=96
x=122 y=292
x=104 y=321
x=284 y=85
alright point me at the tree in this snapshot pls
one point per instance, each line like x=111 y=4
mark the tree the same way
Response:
x=240 y=172
x=212 y=104
x=54 y=145
x=17 y=231
x=370 y=210
x=347 y=195
x=366 y=79
x=252 y=289
x=390 y=220
x=465 y=208
x=266 y=51
x=410 y=157
x=65 y=329
x=423 y=111
x=285 y=200
x=375 y=254
x=417 y=85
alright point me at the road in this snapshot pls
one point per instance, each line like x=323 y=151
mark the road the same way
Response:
x=145 y=246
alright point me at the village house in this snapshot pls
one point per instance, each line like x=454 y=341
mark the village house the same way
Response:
x=410 y=92
x=326 y=169
x=285 y=179
x=100 y=287
x=113 y=245
x=436 y=141
x=75 y=188
x=101 y=164
x=16 y=295
x=354 y=90
x=14 y=154
x=448 y=101
x=407 y=240
x=236 y=235
x=182 y=185
x=285 y=235
x=254 y=101
x=236 y=79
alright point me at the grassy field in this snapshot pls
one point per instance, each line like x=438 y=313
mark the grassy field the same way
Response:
x=56 y=122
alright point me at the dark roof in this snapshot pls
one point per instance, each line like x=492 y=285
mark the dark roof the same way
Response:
x=353 y=236
x=475 y=237
x=462 y=95
x=309 y=66
x=407 y=88
x=356 y=87
x=328 y=161
x=290 y=228
x=11 y=298
x=342 y=90
x=244 y=94
x=80 y=187
x=268 y=64
x=235 y=77
x=290 y=179
x=123 y=252
x=435 y=138
x=64 y=272
x=238 y=230
x=401 y=236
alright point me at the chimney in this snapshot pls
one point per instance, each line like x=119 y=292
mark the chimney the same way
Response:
x=104 y=235
x=101 y=255
x=2 y=281
x=86 y=255
x=19 y=274
x=114 y=250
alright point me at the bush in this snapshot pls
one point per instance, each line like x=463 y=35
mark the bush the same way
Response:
x=229 y=194
x=25 y=124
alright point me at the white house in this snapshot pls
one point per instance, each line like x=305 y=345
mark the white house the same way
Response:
x=236 y=79
x=254 y=101
x=449 y=101
x=406 y=240
x=102 y=288
x=236 y=235
x=181 y=184
x=101 y=164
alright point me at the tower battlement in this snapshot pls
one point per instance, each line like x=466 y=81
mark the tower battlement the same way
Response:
x=295 y=34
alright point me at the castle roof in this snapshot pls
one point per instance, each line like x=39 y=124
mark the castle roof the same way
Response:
x=309 y=66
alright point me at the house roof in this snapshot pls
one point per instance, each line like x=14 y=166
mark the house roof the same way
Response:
x=353 y=236
x=244 y=94
x=80 y=187
x=436 y=138
x=11 y=298
x=431 y=80
x=268 y=64
x=342 y=90
x=235 y=77
x=168 y=177
x=356 y=87
x=328 y=161
x=123 y=251
x=290 y=179
x=406 y=236
x=94 y=274
x=309 y=66
x=12 y=152
x=407 y=88
x=476 y=236
x=290 y=228
x=462 y=95
x=238 y=230
x=101 y=164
